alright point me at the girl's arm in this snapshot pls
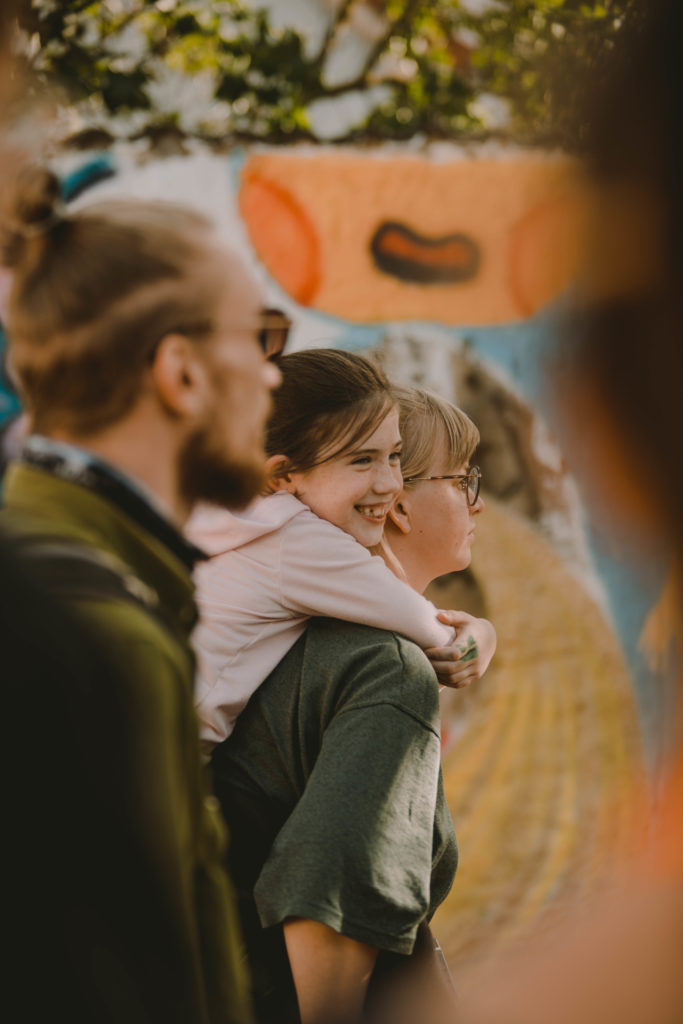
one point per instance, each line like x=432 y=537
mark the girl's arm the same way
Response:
x=467 y=658
x=324 y=571
x=330 y=971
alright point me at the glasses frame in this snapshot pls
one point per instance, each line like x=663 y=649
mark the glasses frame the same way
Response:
x=272 y=329
x=472 y=489
x=273 y=332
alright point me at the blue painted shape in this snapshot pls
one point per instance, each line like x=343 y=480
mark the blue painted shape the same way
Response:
x=100 y=168
x=522 y=350
x=633 y=581
x=361 y=336
x=9 y=401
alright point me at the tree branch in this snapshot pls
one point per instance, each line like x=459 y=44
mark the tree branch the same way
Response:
x=401 y=23
x=361 y=82
x=362 y=79
x=338 y=19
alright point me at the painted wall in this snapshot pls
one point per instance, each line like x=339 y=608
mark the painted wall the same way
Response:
x=450 y=266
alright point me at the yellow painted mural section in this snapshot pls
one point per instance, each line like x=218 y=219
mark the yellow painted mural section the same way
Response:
x=544 y=774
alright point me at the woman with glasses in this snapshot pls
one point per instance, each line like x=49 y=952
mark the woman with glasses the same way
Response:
x=431 y=525
x=342 y=844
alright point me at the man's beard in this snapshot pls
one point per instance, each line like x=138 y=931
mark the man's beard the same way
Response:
x=209 y=474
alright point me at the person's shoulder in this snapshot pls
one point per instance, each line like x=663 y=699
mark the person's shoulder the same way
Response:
x=374 y=666
x=153 y=670
x=137 y=640
x=356 y=635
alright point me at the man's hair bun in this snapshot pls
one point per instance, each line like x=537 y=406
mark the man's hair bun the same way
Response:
x=35 y=208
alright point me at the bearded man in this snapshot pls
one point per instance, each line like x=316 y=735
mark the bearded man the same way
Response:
x=134 y=340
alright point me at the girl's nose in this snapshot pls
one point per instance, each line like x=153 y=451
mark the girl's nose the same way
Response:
x=270 y=375
x=478 y=506
x=388 y=479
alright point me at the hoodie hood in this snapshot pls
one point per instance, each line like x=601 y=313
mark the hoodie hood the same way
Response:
x=216 y=530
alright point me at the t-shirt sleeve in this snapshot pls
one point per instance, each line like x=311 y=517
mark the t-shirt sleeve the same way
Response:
x=356 y=852
x=326 y=572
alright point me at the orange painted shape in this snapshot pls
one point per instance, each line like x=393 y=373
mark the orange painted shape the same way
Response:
x=668 y=832
x=282 y=234
x=546 y=249
x=332 y=203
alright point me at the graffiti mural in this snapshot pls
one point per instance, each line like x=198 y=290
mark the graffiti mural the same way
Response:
x=409 y=256
x=431 y=262
x=452 y=241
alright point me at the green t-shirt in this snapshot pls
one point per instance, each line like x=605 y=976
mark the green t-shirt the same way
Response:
x=331 y=784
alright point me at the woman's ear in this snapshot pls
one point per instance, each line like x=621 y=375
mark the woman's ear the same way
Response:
x=399 y=514
x=279 y=475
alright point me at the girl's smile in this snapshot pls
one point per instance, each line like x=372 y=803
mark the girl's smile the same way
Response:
x=355 y=491
x=375 y=513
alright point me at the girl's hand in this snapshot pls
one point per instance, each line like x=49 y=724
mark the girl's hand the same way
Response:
x=469 y=655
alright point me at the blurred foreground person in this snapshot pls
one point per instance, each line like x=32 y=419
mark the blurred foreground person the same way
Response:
x=134 y=338
x=619 y=961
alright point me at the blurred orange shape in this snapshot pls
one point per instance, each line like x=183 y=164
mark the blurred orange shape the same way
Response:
x=546 y=249
x=282 y=234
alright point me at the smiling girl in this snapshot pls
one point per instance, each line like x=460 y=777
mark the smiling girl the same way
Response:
x=334 y=451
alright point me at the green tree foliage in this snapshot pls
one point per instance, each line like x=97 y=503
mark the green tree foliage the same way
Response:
x=220 y=71
x=549 y=57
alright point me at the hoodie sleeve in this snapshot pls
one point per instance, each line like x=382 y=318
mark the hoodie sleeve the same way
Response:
x=324 y=571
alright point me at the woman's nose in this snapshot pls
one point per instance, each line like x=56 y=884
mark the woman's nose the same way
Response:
x=478 y=506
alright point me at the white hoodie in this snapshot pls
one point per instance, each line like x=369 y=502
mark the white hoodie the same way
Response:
x=270 y=569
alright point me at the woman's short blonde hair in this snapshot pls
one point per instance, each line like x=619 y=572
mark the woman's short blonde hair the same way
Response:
x=428 y=421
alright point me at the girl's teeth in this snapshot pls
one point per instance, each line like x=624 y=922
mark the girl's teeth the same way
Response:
x=373 y=512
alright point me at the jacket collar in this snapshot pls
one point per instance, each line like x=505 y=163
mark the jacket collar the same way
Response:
x=81 y=467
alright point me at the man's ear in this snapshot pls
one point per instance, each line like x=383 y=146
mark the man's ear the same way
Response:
x=180 y=376
x=399 y=514
x=279 y=475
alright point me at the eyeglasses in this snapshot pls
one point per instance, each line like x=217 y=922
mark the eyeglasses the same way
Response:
x=471 y=482
x=272 y=330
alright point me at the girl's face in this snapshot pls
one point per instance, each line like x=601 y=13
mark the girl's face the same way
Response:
x=356 y=490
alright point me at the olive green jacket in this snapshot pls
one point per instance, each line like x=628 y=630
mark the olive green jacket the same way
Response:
x=175 y=824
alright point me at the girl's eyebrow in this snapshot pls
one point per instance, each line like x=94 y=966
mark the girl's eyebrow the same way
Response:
x=373 y=451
